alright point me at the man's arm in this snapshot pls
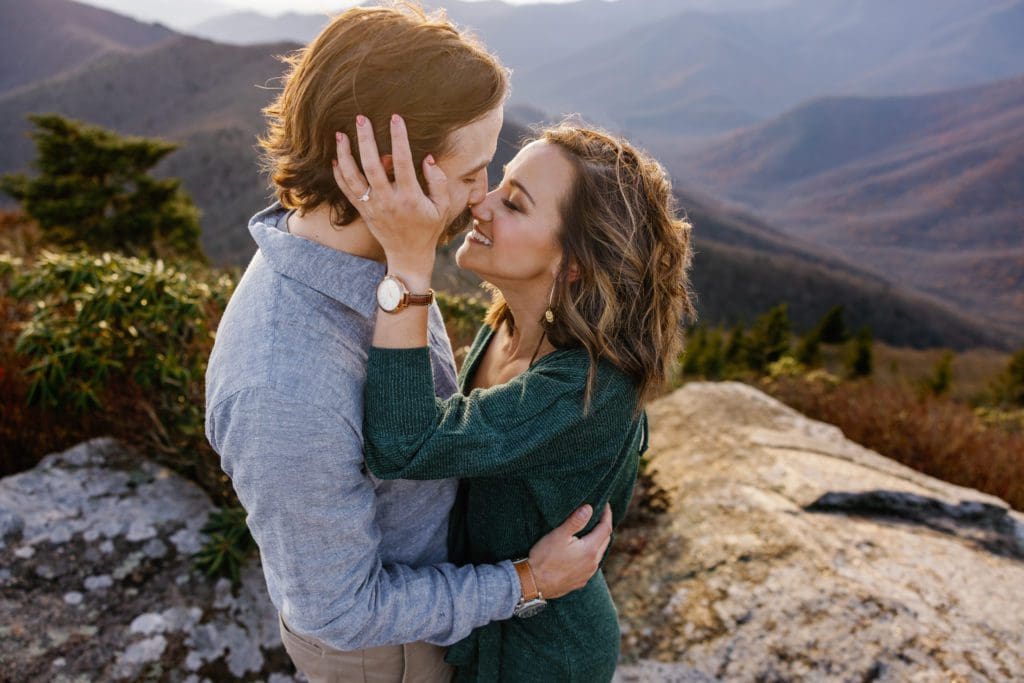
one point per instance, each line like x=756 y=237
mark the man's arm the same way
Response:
x=297 y=470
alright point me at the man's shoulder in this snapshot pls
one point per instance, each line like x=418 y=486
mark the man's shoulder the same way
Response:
x=279 y=336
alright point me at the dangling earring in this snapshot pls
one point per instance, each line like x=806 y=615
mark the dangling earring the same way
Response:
x=549 y=315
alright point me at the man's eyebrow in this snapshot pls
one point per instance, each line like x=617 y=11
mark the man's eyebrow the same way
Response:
x=476 y=169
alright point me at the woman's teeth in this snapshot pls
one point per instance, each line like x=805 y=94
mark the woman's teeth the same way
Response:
x=479 y=238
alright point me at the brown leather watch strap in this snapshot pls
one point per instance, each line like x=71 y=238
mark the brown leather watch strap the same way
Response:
x=421 y=299
x=526 y=579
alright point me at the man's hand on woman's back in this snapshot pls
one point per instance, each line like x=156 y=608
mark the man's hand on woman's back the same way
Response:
x=561 y=562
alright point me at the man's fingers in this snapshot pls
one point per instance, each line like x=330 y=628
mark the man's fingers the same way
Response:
x=346 y=172
x=602 y=532
x=576 y=522
x=370 y=158
x=401 y=154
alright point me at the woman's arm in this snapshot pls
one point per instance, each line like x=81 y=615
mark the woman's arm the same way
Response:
x=535 y=421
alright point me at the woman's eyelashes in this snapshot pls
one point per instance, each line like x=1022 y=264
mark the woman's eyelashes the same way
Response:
x=510 y=204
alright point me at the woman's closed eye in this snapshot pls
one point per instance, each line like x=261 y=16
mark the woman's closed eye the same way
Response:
x=510 y=204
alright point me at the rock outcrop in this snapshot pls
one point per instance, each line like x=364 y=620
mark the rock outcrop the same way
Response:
x=788 y=553
x=780 y=552
x=97 y=581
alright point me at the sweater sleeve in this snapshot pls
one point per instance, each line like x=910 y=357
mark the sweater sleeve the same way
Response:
x=518 y=428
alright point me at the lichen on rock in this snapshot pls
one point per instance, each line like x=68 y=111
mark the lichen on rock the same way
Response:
x=98 y=582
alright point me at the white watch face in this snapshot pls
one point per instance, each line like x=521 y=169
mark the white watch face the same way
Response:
x=389 y=294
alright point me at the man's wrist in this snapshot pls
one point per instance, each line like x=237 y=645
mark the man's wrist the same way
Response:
x=516 y=588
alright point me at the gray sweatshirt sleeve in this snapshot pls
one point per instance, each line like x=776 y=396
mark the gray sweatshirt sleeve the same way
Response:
x=298 y=472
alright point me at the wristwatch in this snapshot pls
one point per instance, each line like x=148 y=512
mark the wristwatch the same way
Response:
x=531 y=601
x=393 y=296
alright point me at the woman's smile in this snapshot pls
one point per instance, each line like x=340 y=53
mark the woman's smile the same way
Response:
x=476 y=236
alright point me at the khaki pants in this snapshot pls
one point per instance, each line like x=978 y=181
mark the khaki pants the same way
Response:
x=409 y=663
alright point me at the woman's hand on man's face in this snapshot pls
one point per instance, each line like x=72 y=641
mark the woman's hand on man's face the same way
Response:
x=406 y=222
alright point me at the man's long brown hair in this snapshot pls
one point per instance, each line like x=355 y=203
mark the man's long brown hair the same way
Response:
x=620 y=227
x=374 y=61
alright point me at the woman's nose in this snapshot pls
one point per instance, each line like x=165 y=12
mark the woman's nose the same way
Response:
x=482 y=210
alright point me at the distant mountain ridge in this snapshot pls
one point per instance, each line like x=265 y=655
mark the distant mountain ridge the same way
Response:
x=693 y=67
x=696 y=72
x=43 y=38
x=929 y=189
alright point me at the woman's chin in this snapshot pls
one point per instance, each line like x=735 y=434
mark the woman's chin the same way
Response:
x=464 y=257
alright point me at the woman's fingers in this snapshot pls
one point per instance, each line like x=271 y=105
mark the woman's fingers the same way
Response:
x=437 y=184
x=372 y=168
x=401 y=155
x=346 y=172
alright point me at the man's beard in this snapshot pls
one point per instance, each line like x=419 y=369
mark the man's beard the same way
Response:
x=461 y=223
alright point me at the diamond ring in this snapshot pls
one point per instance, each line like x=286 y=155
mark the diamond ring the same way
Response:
x=365 y=197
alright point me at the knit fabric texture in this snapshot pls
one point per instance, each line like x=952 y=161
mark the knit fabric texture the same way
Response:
x=527 y=457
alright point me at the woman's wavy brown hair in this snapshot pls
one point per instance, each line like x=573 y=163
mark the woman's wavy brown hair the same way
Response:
x=375 y=61
x=620 y=227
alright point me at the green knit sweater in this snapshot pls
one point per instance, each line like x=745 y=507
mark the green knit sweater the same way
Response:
x=527 y=457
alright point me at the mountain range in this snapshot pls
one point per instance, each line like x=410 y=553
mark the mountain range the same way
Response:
x=926 y=189
x=207 y=96
x=692 y=67
x=43 y=38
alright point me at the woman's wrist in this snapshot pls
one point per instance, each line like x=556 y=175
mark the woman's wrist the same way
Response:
x=416 y=274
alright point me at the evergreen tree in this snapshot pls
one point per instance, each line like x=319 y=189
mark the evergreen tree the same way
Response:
x=712 y=361
x=694 y=350
x=808 y=351
x=832 y=327
x=736 y=349
x=768 y=338
x=859 y=361
x=1010 y=385
x=93 y=192
x=942 y=376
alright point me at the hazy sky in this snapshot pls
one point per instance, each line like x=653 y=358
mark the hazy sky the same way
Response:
x=277 y=6
x=184 y=14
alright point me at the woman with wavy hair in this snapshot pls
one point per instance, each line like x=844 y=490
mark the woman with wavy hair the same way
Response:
x=587 y=263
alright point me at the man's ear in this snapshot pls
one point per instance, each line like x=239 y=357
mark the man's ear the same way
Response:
x=388 y=162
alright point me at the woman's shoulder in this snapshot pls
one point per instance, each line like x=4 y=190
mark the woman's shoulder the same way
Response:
x=573 y=364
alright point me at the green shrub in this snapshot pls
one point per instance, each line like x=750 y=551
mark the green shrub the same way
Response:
x=768 y=339
x=1008 y=388
x=229 y=547
x=808 y=351
x=128 y=338
x=941 y=378
x=859 y=360
x=693 y=352
x=736 y=349
x=832 y=327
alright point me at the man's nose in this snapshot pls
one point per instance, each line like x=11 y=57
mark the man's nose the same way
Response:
x=479 y=189
x=483 y=210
